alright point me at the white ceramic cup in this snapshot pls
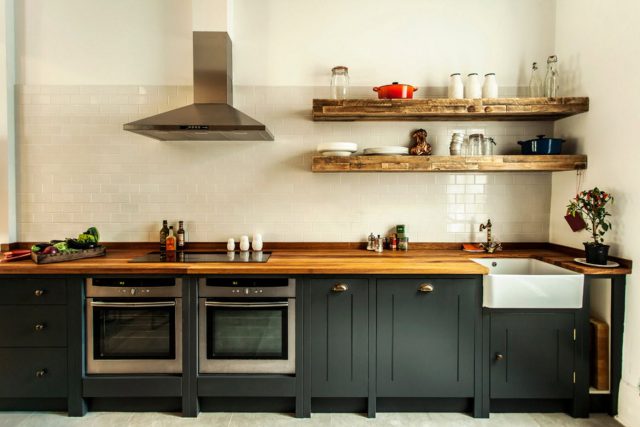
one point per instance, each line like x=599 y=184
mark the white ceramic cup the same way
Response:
x=256 y=243
x=231 y=245
x=244 y=243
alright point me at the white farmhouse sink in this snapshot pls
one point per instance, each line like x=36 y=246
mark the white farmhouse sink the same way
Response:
x=529 y=283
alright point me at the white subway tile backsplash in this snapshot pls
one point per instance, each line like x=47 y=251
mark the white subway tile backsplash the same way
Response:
x=79 y=168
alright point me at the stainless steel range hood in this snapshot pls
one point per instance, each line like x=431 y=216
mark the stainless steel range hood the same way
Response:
x=211 y=117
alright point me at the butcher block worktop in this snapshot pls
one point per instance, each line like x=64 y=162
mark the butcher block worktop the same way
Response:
x=314 y=260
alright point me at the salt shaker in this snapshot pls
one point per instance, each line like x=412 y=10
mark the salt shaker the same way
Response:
x=490 y=86
x=256 y=243
x=371 y=241
x=231 y=245
x=244 y=243
x=473 y=90
x=379 y=244
x=456 y=88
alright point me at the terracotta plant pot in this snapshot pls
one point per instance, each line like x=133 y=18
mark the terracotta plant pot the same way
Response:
x=596 y=254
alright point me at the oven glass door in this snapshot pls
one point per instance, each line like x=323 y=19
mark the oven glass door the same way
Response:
x=134 y=330
x=247 y=329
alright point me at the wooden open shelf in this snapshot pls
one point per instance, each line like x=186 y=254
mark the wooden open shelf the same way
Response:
x=514 y=163
x=444 y=109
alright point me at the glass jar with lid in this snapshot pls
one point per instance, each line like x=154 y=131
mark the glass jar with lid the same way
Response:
x=339 y=82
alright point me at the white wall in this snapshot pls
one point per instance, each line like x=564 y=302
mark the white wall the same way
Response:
x=7 y=124
x=600 y=57
x=284 y=42
x=85 y=42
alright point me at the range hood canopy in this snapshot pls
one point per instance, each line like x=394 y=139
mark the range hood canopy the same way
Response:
x=211 y=117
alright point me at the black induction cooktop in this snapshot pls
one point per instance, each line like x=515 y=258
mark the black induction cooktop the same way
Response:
x=192 y=257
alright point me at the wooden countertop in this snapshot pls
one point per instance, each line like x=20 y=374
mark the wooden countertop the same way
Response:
x=310 y=261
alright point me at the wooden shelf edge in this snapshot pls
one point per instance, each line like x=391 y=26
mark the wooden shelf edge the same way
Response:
x=444 y=109
x=506 y=163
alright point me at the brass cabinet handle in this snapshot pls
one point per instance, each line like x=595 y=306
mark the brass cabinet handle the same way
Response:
x=340 y=287
x=39 y=326
x=41 y=373
x=38 y=292
x=499 y=357
x=425 y=287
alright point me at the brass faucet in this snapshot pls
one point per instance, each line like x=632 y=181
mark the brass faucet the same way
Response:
x=487 y=226
x=489 y=246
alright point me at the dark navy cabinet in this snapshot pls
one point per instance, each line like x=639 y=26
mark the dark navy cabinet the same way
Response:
x=532 y=355
x=426 y=337
x=339 y=317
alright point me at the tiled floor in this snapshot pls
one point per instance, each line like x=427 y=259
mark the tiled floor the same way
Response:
x=122 y=419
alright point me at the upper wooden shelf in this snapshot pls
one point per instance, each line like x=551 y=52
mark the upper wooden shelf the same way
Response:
x=512 y=163
x=444 y=109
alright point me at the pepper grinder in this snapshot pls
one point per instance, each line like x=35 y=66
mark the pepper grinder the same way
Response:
x=371 y=242
x=379 y=244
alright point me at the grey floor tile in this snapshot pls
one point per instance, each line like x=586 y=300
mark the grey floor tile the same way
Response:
x=154 y=419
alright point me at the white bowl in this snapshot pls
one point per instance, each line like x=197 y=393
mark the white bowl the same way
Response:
x=338 y=146
x=336 y=153
x=390 y=150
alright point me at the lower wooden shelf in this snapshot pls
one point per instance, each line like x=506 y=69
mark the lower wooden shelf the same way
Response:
x=510 y=163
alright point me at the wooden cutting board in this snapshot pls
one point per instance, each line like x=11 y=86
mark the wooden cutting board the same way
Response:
x=599 y=354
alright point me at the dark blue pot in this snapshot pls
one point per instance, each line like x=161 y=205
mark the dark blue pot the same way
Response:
x=542 y=145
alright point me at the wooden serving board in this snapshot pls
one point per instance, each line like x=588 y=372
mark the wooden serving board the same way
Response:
x=59 y=257
x=599 y=354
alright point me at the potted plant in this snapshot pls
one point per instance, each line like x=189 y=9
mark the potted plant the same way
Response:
x=591 y=205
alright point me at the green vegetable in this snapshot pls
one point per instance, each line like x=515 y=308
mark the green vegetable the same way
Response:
x=35 y=249
x=87 y=238
x=61 y=246
x=94 y=232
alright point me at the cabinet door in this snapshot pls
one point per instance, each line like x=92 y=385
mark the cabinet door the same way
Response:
x=425 y=337
x=339 y=337
x=532 y=355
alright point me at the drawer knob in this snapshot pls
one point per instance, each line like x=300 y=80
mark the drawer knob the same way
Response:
x=499 y=357
x=425 y=287
x=39 y=326
x=41 y=373
x=340 y=287
x=38 y=292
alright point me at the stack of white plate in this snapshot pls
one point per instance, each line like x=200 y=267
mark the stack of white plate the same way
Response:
x=391 y=150
x=337 y=148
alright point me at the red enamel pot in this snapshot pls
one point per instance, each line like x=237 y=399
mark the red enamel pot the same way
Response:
x=395 y=91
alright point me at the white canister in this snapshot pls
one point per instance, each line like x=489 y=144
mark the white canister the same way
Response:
x=456 y=87
x=256 y=243
x=244 y=243
x=473 y=90
x=231 y=245
x=490 y=86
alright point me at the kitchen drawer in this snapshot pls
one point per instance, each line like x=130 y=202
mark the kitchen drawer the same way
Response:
x=33 y=372
x=33 y=326
x=33 y=291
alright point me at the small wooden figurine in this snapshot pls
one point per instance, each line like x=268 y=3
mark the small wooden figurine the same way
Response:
x=420 y=145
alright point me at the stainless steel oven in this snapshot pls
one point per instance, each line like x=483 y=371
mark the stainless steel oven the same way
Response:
x=134 y=325
x=247 y=325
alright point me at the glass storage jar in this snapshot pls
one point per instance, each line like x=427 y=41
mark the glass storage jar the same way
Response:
x=339 y=82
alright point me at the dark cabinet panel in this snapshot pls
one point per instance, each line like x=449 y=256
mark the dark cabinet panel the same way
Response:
x=339 y=337
x=33 y=291
x=33 y=326
x=532 y=355
x=425 y=337
x=33 y=372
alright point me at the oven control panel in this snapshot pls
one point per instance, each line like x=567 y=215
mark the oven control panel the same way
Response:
x=134 y=287
x=233 y=288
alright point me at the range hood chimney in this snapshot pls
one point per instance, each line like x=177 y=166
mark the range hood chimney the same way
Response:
x=211 y=117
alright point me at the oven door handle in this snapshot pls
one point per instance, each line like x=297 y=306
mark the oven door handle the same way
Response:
x=148 y=304
x=229 y=304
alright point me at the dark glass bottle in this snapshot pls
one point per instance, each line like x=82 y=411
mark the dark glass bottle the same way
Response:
x=181 y=236
x=164 y=232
